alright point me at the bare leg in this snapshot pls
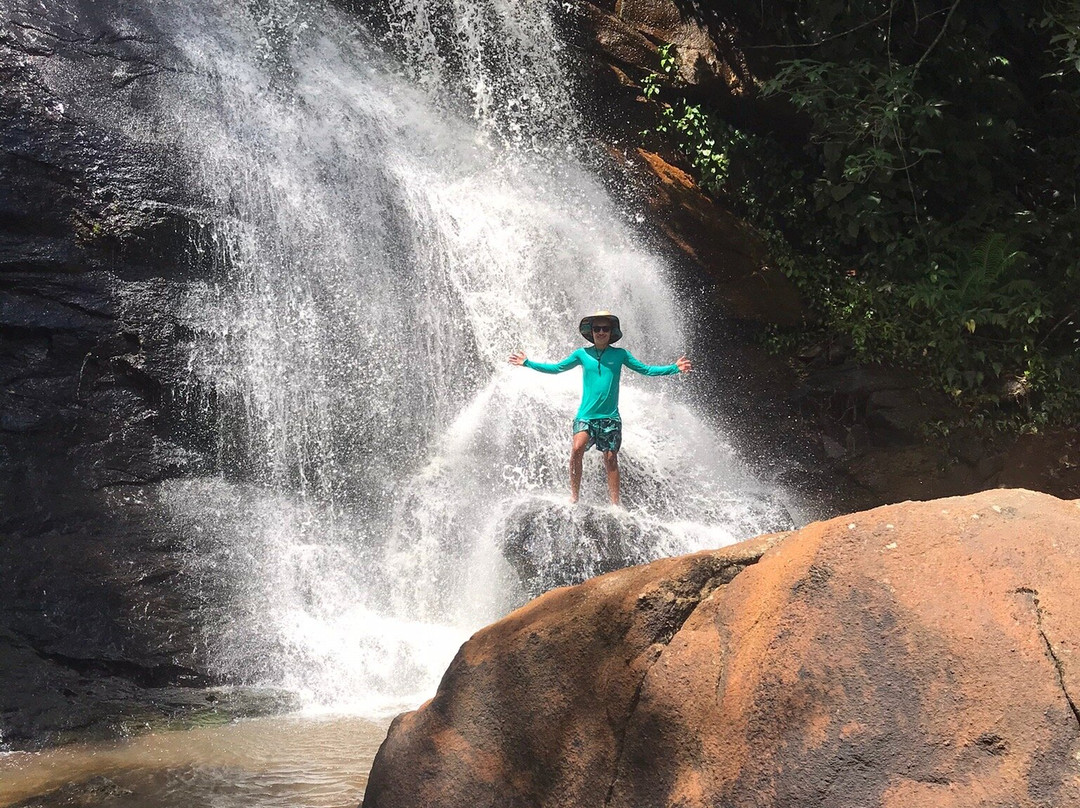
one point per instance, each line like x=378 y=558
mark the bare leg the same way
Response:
x=611 y=463
x=577 y=451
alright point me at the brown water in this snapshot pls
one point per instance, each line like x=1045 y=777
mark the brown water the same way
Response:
x=277 y=762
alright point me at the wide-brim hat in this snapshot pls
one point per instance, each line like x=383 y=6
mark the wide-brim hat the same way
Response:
x=585 y=326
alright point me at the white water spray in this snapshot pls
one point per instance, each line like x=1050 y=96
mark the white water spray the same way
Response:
x=388 y=483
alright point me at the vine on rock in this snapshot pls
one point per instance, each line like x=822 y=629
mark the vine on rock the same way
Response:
x=689 y=127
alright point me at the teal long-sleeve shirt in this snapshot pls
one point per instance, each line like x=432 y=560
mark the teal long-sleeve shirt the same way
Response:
x=600 y=374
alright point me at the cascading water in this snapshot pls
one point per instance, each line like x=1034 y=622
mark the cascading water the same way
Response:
x=388 y=483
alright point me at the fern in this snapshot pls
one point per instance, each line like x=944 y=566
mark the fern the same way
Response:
x=990 y=260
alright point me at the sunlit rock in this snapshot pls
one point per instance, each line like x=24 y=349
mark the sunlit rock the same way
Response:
x=919 y=654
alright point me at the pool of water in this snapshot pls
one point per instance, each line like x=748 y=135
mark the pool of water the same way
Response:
x=276 y=762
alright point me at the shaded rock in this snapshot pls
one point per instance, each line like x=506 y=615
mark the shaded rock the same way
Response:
x=876 y=422
x=902 y=411
x=911 y=472
x=619 y=41
x=860 y=380
x=1047 y=461
x=555 y=544
x=727 y=255
x=50 y=699
x=833 y=449
x=915 y=654
x=700 y=59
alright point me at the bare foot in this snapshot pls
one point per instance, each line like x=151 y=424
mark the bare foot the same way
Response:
x=573 y=500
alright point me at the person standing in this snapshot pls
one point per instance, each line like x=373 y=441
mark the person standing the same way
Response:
x=597 y=422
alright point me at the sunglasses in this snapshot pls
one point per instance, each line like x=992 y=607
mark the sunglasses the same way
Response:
x=601 y=329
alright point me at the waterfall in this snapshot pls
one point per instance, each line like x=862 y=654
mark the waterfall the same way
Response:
x=391 y=218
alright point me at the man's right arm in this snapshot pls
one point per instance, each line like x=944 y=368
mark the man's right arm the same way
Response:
x=573 y=360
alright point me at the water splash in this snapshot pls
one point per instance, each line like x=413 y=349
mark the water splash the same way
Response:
x=500 y=60
x=387 y=483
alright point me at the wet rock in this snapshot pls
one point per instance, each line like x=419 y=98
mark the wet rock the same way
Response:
x=97 y=791
x=553 y=544
x=550 y=543
x=98 y=581
x=727 y=257
x=915 y=654
x=50 y=699
x=96 y=235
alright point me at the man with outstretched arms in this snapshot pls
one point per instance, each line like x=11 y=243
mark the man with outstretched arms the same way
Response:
x=597 y=422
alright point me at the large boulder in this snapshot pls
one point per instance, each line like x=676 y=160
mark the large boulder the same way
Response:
x=915 y=654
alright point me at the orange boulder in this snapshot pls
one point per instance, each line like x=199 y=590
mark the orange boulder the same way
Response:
x=921 y=654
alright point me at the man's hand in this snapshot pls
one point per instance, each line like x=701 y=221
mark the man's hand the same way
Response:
x=683 y=364
x=517 y=358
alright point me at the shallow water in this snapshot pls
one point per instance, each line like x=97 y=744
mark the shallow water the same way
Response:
x=276 y=762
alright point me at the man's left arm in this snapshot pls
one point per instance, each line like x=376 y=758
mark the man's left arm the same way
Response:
x=681 y=365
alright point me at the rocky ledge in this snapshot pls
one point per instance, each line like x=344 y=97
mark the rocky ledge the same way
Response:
x=914 y=654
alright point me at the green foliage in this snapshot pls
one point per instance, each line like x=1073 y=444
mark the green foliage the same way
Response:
x=1063 y=18
x=667 y=58
x=929 y=214
x=689 y=127
x=650 y=86
x=978 y=322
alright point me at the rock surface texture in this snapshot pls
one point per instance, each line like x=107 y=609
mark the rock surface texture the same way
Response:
x=920 y=654
x=97 y=621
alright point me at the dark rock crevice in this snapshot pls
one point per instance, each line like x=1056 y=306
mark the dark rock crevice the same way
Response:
x=143 y=675
x=620 y=739
x=1059 y=665
x=685 y=608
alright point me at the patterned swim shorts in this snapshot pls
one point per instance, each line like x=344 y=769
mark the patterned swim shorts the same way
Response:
x=604 y=433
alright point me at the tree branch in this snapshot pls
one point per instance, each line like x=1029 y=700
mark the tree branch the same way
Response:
x=937 y=39
x=858 y=27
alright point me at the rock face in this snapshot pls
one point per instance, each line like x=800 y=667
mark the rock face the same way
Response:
x=916 y=654
x=96 y=232
x=727 y=257
x=627 y=34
